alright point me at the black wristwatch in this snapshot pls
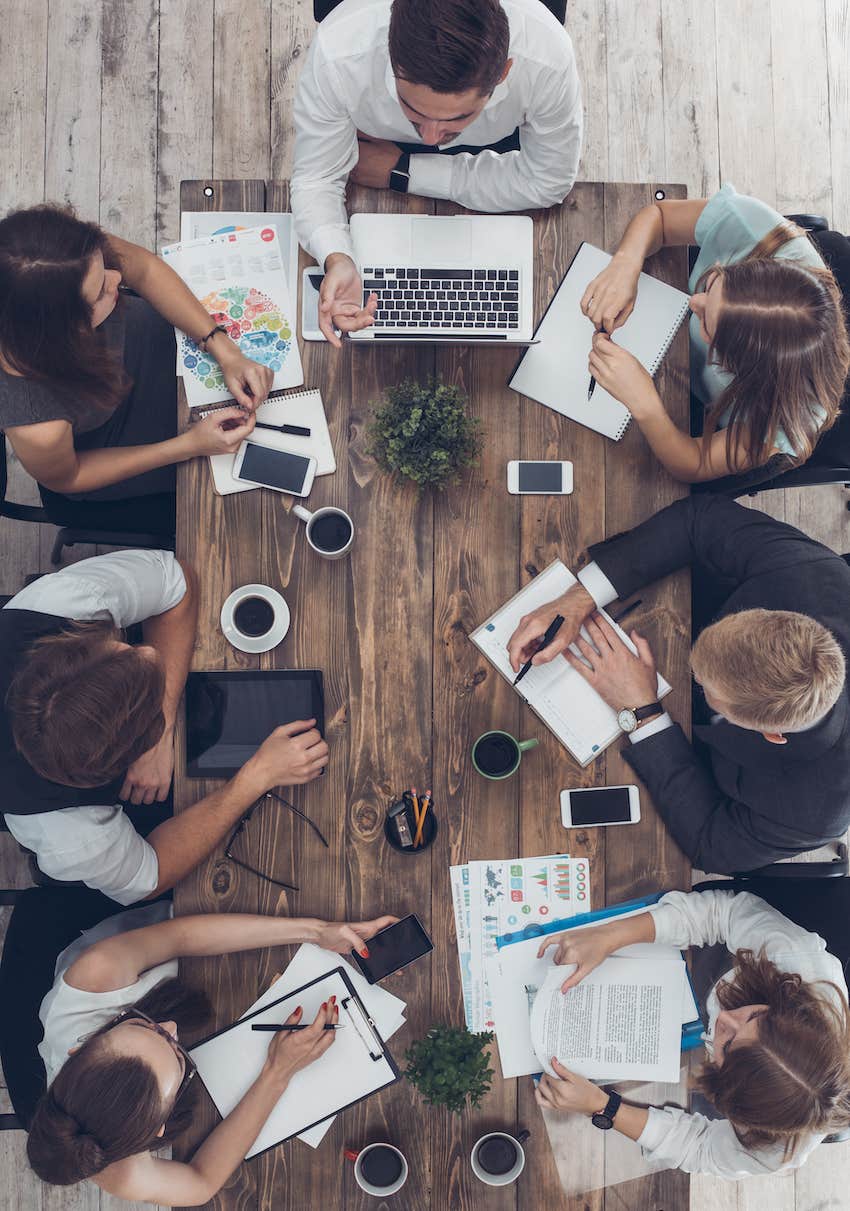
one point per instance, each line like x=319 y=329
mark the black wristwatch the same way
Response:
x=604 y=1120
x=629 y=717
x=400 y=175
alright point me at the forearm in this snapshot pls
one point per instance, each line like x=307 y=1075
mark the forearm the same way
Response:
x=100 y=468
x=678 y=452
x=625 y=931
x=643 y=237
x=173 y=636
x=203 y=934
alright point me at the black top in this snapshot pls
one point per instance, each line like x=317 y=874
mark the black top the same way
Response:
x=751 y=802
x=26 y=793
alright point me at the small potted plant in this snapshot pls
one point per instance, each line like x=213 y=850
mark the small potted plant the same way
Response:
x=450 y=1066
x=423 y=432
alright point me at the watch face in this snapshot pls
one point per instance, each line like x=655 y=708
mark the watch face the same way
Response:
x=627 y=720
x=602 y=1121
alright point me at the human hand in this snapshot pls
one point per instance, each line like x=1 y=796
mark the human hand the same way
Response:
x=343 y=936
x=586 y=948
x=248 y=381
x=292 y=1050
x=377 y=158
x=610 y=298
x=221 y=432
x=620 y=678
x=622 y=375
x=149 y=777
x=569 y=1092
x=292 y=755
x=341 y=299
x=575 y=605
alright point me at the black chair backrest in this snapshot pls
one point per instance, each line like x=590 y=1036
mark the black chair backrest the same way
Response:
x=834 y=446
x=321 y=8
x=44 y=921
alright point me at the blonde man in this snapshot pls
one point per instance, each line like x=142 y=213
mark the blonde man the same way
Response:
x=771 y=776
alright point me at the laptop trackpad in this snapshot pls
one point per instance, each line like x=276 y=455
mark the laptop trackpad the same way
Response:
x=446 y=239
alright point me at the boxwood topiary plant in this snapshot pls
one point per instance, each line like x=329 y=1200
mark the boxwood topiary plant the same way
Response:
x=423 y=432
x=449 y=1065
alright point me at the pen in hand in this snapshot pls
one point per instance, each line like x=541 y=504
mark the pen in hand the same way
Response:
x=550 y=633
x=275 y=1028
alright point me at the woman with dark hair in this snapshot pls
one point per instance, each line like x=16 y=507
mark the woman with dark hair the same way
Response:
x=769 y=351
x=777 y=1038
x=119 y=1080
x=88 y=395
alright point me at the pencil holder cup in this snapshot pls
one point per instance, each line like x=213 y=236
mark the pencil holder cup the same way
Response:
x=400 y=824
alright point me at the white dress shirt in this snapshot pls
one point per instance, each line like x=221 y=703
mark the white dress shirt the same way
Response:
x=673 y=1138
x=98 y=845
x=347 y=84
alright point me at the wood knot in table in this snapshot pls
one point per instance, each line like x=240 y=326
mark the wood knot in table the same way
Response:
x=222 y=878
x=367 y=818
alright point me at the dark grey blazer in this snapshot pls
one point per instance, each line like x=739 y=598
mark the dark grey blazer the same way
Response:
x=750 y=802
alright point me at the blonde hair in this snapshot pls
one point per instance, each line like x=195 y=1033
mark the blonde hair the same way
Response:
x=776 y=670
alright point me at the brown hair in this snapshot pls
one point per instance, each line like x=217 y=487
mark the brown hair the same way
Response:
x=83 y=710
x=781 y=332
x=794 y=1080
x=45 y=323
x=776 y=670
x=450 y=46
x=102 y=1107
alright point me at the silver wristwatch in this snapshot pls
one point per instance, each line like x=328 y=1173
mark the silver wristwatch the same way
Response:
x=629 y=717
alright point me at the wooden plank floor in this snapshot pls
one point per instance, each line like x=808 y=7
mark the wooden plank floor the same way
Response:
x=108 y=105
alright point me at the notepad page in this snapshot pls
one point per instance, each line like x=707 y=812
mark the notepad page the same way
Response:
x=554 y=372
x=565 y=702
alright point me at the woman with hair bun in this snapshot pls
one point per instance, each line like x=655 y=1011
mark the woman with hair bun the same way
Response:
x=120 y=1084
x=777 y=1039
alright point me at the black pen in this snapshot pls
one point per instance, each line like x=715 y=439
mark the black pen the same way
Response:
x=295 y=430
x=626 y=610
x=551 y=631
x=271 y=1026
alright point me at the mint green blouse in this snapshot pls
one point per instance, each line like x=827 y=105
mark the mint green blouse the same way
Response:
x=727 y=231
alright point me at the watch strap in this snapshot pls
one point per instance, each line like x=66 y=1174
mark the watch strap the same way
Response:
x=646 y=712
x=400 y=174
x=604 y=1120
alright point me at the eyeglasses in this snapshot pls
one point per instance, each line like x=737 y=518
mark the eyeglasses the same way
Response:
x=240 y=827
x=133 y=1014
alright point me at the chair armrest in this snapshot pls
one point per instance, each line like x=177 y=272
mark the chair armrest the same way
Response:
x=838 y=868
x=811 y=222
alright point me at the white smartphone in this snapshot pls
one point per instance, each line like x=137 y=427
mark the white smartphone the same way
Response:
x=531 y=478
x=311 y=282
x=276 y=469
x=598 y=806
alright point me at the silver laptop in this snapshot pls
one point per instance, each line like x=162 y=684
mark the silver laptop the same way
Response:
x=460 y=278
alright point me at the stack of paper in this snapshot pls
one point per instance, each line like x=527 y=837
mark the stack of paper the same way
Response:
x=515 y=896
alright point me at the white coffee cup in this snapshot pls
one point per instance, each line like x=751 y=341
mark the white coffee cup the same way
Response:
x=499 y=1179
x=314 y=519
x=359 y=1157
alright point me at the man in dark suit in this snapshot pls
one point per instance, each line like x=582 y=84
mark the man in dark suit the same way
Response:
x=772 y=775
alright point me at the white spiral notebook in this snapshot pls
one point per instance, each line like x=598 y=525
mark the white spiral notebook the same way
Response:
x=554 y=371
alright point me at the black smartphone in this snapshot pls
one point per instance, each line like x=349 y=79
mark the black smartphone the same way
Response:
x=393 y=948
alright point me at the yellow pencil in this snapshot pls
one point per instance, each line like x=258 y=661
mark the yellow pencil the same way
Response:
x=415 y=799
x=417 y=840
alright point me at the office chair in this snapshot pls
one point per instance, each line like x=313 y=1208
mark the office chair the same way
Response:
x=69 y=536
x=321 y=8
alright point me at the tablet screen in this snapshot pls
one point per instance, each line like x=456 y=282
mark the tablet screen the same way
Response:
x=229 y=715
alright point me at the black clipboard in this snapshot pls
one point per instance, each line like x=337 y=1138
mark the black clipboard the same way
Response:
x=358 y=1019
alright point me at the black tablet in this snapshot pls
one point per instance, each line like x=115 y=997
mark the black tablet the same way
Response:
x=229 y=715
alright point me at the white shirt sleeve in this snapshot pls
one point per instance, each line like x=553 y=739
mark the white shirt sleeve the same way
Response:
x=124 y=586
x=658 y=724
x=540 y=174
x=97 y=846
x=325 y=153
x=598 y=585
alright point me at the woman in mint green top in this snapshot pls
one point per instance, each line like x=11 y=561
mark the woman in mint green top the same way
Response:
x=768 y=343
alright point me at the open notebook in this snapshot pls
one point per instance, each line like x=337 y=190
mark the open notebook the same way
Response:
x=554 y=371
x=559 y=695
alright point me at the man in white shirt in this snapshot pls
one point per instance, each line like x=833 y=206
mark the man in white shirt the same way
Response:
x=386 y=78
x=86 y=721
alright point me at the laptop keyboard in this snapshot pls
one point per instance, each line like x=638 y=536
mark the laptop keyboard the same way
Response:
x=473 y=299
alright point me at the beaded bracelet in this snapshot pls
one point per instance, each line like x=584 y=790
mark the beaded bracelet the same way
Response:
x=202 y=343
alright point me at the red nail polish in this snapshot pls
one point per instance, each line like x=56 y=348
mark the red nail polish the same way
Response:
x=298 y=1010
x=324 y=1004
x=364 y=953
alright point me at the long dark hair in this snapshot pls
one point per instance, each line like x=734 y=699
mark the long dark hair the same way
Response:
x=794 y=1079
x=45 y=323
x=102 y=1108
x=781 y=332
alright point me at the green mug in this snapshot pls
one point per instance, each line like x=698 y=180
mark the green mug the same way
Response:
x=497 y=755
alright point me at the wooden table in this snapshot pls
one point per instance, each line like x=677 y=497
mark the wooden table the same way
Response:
x=406 y=693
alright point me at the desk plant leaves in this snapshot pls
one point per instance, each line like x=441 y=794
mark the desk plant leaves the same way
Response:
x=450 y=1065
x=423 y=432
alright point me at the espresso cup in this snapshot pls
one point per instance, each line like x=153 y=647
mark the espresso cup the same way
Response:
x=379 y=1169
x=498 y=1158
x=330 y=531
x=255 y=618
x=497 y=755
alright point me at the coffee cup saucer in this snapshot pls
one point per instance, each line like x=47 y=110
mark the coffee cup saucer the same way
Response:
x=255 y=643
